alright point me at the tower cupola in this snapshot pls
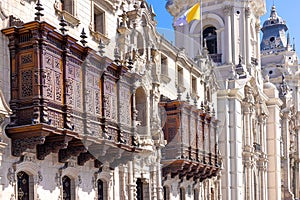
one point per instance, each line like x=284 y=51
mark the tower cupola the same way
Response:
x=274 y=33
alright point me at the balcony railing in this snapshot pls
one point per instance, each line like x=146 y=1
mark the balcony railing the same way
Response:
x=61 y=95
x=217 y=58
x=192 y=145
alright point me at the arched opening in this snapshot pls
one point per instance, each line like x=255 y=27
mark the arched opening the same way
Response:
x=182 y=194
x=67 y=188
x=101 y=189
x=196 y=194
x=23 y=186
x=210 y=35
x=140 y=101
x=139 y=189
x=166 y=193
x=140 y=44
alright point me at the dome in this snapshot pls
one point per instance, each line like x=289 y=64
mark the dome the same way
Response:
x=274 y=19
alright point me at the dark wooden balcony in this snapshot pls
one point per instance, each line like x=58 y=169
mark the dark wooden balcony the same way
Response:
x=192 y=145
x=62 y=94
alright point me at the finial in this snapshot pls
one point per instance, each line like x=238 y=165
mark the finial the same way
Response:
x=205 y=49
x=288 y=41
x=195 y=101
x=83 y=37
x=152 y=11
x=143 y=4
x=240 y=60
x=63 y=25
x=213 y=112
x=117 y=55
x=294 y=44
x=178 y=94
x=101 y=47
x=187 y=97
x=39 y=8
x=202 y=106
x=267 y=78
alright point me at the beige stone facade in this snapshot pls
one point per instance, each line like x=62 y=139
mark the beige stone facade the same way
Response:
x=257 y=99
x=96 y=104
x=100 y=106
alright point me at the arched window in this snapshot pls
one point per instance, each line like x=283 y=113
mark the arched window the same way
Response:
x=166 y=193
x=196 y=194
x=23 y=185
x=139 y=189
x=66 y=181
x=101 y=189
x=140 y=101
x=210 y=35
x=182 y=194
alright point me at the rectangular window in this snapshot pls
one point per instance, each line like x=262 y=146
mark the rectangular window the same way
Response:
x=99 y=20
x=194 y=85
x=68 y=5
x=180 y=76
x=164 y=65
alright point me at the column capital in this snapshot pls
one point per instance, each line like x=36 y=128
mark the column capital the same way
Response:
x=228 y=10
x=247 y=12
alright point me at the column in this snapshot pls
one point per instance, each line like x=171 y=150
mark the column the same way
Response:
x=248 y=46
x=158 y=176
x=297 y=167
x=228 y=44
x=286 y=158
x=131 y=182
x=257 y=52
x=273 y=151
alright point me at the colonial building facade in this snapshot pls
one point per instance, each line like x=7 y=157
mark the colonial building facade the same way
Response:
x=258 y=98
x=97 y=105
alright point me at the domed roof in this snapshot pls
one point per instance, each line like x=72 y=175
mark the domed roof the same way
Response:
x=274 y=19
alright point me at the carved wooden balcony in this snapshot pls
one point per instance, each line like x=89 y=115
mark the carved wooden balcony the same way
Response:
x=192 y=145
x=62 y=94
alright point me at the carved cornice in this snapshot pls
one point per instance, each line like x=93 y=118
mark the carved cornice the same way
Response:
x=51 y=146
x=66 y=154
x=20 y=145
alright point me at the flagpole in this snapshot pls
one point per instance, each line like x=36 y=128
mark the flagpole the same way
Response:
x=201 y=35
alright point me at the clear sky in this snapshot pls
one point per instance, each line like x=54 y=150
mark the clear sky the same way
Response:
x=289 y=10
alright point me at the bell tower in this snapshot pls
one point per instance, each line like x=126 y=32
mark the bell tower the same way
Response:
x=230 y=31
x=229 y=27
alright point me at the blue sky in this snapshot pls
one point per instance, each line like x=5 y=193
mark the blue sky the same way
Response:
x=287 y=9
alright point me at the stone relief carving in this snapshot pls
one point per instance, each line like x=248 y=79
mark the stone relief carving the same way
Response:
x=11 y=176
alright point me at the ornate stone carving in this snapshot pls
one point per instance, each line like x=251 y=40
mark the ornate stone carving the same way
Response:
x=13 y=21
x=247 y=12
x=21 y=144
x=228 y=10
x=83 y=158
x=39 y=177
x=52 y=147
x=65 y=154
x=11 y=176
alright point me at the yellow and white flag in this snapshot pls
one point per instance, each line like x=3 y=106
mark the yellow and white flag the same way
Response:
x=191 y=14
